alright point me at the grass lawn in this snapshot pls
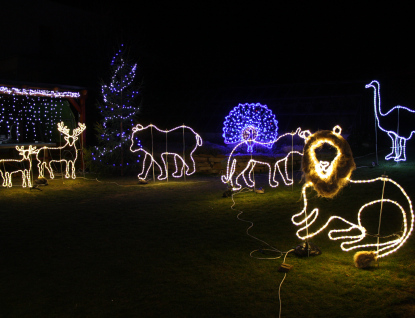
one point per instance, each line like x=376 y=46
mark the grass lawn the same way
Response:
x=114 y=248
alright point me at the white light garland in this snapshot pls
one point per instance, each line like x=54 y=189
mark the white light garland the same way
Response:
x=8 y=167
x=247 y=173
x=150 y=160
x=70 y=145
x=37 y=92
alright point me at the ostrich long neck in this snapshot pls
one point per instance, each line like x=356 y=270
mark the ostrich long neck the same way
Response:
x=376 y=101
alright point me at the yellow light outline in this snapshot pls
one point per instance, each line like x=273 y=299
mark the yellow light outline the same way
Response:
x=7 y=176
x=69 y=164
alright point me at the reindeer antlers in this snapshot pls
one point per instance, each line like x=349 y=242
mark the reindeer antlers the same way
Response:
x=76 y=132
x=63 y=129
x=79 y=130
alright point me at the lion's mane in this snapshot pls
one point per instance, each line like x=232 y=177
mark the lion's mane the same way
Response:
x=329 y=187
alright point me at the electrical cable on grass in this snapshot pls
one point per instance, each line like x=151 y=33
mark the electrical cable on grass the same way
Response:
x=279 y=288
x=271 y=248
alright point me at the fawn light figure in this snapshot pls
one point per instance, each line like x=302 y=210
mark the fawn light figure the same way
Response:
x=70 y=145
x=8 y=167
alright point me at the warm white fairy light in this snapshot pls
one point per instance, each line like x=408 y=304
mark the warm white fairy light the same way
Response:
x=8 y=167
x=149 y=159
x=70 y=145
x=247 y=173
x=284 y=175
x=37 y=92
x=325 y=169
x=306 y=219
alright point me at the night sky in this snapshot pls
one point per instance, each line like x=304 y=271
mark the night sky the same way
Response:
x=190 y=49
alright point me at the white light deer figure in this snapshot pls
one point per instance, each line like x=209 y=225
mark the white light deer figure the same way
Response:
x=69 y=145
x=8 y=167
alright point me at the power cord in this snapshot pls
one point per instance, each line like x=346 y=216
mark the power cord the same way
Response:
x=285 y=275
x=284 y=267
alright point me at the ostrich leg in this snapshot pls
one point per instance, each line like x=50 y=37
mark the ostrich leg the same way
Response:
x=392 y=154
x=401 y=144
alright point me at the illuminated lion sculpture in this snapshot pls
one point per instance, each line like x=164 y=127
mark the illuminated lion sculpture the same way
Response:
x=328 y=177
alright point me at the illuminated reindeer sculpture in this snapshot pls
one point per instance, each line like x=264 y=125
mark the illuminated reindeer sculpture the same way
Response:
x=68 y=146
x=8 y=167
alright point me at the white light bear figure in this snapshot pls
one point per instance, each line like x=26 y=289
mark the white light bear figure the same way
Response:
x=70 y=145
x=161 y=144
x=327 y=178
x=247 y=173
x=8 y=167
x=398 y=138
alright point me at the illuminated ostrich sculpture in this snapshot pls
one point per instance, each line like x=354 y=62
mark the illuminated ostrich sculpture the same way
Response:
x=252 y=123
x=398 y=141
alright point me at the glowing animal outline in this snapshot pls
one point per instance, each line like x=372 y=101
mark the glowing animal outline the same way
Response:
x=71 y=142
x=398 y=142
x=164 y=156
x=250 y=182
x=7 y=176
x=250 y=125
x=384 y=248
x=325 y=170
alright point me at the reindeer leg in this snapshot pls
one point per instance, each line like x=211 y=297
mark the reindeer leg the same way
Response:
x=24 y=178
x=9 y=179
x=72 y=169
x=51 y=174
x=67 y=170
x=2 y=177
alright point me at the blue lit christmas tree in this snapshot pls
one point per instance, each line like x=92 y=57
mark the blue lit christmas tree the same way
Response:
x=118 y=108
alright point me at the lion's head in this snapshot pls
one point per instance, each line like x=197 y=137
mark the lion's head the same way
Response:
x=328 y=176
